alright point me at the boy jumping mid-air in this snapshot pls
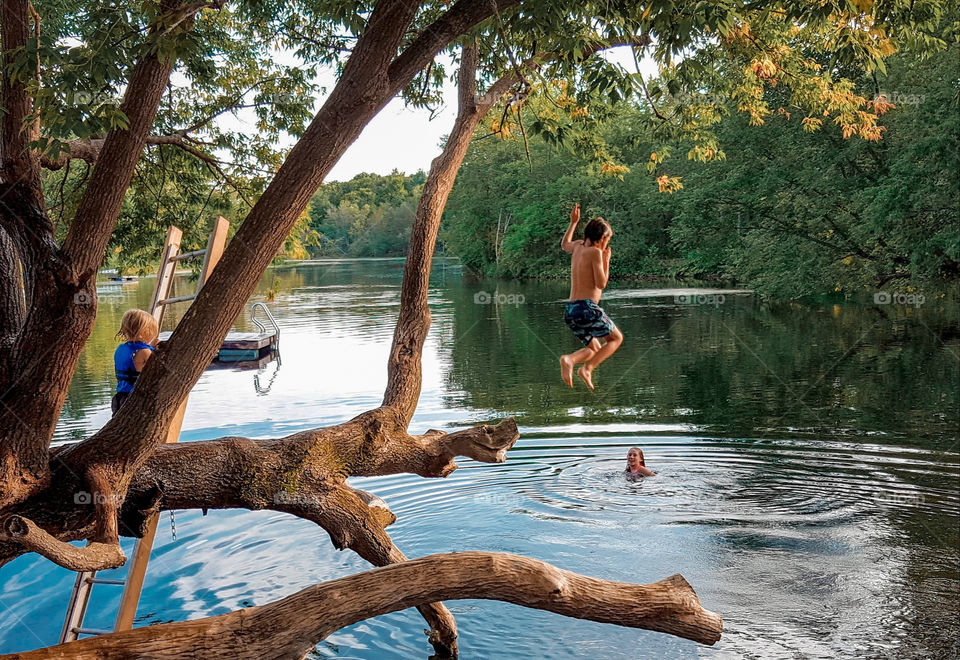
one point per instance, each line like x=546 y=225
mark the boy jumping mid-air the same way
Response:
x=589 y=273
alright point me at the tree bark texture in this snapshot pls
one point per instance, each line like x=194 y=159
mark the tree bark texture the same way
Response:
x=291 y=627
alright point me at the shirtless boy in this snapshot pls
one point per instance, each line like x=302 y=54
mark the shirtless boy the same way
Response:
x=589 y=273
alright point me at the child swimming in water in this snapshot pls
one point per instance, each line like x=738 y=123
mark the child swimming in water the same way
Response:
x=589 y=274
x=636 y=466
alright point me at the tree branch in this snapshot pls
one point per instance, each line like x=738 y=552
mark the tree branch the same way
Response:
x=291 y=627
x=96 y=556
x=367 y=83
x=462 y=16
x=404 y=370
x=19 y=164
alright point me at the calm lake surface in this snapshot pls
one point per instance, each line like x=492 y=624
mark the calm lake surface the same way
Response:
x=808 y=482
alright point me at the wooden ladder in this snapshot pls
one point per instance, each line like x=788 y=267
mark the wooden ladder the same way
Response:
x=137 y=564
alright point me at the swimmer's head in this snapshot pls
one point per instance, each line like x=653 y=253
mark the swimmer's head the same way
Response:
x=635 y=458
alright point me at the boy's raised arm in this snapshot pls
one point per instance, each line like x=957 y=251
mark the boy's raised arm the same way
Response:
x=567 y=242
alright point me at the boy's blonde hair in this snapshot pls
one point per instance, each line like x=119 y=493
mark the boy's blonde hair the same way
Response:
x=138 y=325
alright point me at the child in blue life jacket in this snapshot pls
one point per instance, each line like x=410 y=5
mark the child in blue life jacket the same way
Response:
x=141 y=332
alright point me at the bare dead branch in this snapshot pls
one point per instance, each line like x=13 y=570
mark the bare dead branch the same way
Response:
x=291 y=627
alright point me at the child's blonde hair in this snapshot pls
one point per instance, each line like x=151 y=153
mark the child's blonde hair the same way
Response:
x=138 y=325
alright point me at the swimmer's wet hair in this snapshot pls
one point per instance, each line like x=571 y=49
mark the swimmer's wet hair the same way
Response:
x=597 y=229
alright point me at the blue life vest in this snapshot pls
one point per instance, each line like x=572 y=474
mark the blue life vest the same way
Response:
x=123 y=364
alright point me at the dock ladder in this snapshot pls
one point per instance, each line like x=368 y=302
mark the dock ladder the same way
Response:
x=137 y=564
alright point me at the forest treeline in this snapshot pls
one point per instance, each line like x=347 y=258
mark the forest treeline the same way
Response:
x=788 y=212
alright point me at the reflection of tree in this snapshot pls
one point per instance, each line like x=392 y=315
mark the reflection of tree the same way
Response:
x=737 y=369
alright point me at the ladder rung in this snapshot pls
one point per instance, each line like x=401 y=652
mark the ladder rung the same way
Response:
x=106 y=581
x=189 y=255
x=168 y=301
x=92 y=631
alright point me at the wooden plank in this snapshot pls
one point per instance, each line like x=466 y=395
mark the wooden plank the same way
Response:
x=245 y=341
x=161 y=288
x=140 y=558
x=77 y=608
x=248 y=341
x=215 y=245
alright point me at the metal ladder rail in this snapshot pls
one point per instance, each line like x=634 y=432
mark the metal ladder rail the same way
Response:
x=266 y=310
x=133 y=583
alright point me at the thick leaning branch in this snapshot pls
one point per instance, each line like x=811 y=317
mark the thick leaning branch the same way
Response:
x=291 y=627
x=458 y=20
x=303 y=474
x=99 y=206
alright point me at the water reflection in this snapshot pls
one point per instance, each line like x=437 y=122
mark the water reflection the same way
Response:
x=806 y=454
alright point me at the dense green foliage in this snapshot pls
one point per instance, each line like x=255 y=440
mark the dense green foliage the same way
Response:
x=247 y=81
x=368 y=216
x=788 y=211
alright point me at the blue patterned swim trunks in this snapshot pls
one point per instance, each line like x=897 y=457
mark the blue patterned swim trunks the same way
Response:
x=587 y=320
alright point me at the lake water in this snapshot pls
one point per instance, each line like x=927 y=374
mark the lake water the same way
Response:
x=807 y=457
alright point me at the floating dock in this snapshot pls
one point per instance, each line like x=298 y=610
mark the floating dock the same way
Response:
x=248 y=350
x=240 y=347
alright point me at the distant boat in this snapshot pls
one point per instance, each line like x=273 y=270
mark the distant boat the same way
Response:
x=113 y=275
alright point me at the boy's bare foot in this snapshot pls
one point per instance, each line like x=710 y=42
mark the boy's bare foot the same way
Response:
x=586 y=374
x=566 y=370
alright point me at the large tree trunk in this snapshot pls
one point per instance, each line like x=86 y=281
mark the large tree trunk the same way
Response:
x=61 y=293
x=291 y=627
